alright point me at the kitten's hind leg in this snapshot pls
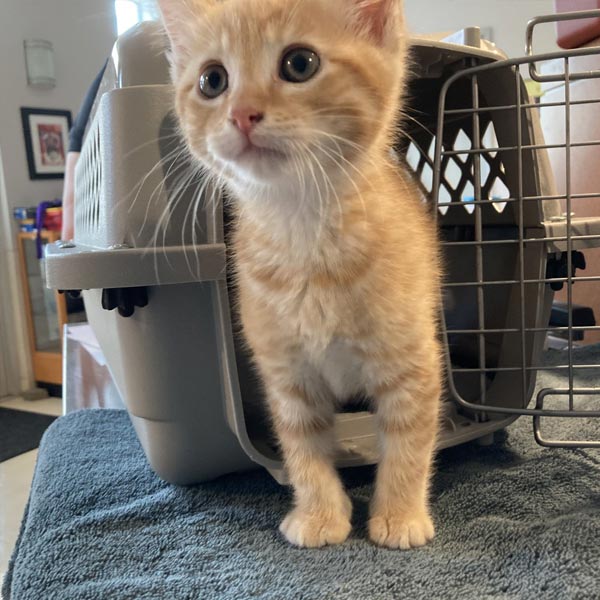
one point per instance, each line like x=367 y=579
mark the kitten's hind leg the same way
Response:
x=303 y=415
x=408 y=415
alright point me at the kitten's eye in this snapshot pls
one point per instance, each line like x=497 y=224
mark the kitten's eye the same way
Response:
x=299 y=65
x=213 y=81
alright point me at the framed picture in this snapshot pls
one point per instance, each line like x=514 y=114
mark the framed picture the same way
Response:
x=46 y=134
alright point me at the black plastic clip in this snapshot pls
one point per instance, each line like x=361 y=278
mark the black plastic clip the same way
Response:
x=75 y=294
x=558 y=268
x=125 y=299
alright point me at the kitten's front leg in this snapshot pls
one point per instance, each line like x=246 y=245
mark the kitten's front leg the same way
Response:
x=408 y=415
x=303 y=415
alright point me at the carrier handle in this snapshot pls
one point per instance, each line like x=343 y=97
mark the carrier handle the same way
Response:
x=558 y=18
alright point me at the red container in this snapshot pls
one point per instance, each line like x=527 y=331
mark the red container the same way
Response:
x=53 y=219
x=574 y=34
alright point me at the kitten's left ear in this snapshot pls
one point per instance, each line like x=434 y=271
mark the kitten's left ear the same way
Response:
x=381 y=20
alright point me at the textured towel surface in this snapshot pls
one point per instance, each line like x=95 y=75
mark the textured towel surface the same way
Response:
x=513 y=521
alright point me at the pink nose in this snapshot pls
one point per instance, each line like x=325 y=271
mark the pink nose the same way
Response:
x=246 y=118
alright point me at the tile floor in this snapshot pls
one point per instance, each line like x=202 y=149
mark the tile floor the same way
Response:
x=15 y=479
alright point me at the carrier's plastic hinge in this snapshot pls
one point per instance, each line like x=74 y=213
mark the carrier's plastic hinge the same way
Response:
x=125 y=299
x=557 y=267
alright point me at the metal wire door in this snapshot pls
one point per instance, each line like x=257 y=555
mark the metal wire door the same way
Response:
x=511 y=239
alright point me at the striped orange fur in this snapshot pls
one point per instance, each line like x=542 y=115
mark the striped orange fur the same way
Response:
x=336 y=256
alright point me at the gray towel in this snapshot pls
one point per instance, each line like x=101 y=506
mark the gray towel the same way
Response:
x=513 y=521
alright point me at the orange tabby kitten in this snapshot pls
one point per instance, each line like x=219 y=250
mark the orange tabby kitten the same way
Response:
x=294 y=104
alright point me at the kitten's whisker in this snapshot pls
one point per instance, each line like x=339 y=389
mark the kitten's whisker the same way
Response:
x=150 y=201
x=344 y=140
x=139 y=186
x=339 y=139
x=328 y=182
x=200 y=189
x=321 y=207
x=179 y=195
x=405 y=115
x=291 y=16
x=342 y=111
x=155 y=140
x=340 y=155
x=162 y=184
x=171 y=206
x=348 y=176
x=167 y=214
x=216 y=183
x=299 y=171
x=298 y=166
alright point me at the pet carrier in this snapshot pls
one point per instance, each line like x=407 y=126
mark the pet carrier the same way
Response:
x=150 y=255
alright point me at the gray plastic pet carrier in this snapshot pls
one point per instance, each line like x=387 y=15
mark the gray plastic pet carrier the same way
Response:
x=150 y=254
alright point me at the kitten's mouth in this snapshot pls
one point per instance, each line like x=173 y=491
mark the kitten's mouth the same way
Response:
x=253 y=150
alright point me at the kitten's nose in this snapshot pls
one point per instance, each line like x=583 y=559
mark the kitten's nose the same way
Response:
x=246 y=118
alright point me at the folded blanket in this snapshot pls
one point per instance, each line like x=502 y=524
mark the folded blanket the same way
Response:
x=513 y=521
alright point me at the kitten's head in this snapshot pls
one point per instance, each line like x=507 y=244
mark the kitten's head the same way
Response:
x=274 y=91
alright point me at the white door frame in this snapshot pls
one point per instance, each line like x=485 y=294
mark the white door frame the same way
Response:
x=15 y=366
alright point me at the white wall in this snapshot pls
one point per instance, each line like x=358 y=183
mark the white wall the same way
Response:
x=82 y=32
x=508 y=19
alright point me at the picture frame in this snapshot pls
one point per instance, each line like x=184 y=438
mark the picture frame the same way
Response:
x=46 y=133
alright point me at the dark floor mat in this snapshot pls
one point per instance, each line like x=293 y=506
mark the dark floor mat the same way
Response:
x=21 y=431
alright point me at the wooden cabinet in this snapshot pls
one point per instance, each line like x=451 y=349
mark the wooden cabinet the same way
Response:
x=47 y=311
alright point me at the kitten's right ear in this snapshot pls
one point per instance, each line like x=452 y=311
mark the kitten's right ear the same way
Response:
x=381 y=20
x=178 y=17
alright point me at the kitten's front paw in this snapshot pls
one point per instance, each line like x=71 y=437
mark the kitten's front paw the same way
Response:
x=401 y=531
x=313 y=531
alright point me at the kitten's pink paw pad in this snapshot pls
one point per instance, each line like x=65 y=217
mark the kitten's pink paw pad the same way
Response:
x=310 y=531
x=404 y=532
